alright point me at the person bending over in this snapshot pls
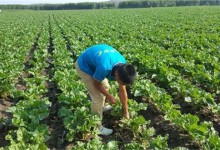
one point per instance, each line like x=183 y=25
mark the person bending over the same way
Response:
x=95 y=66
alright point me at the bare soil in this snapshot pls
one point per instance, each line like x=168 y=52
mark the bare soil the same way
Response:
x=6 y=126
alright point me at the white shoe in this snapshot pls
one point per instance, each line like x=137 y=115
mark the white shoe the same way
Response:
x=107 y=108
x=105 y=131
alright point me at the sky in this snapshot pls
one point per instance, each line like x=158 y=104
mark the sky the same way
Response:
x=26 y=2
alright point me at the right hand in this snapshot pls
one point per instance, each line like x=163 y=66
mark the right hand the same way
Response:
x=111 y=99
x=126 y=115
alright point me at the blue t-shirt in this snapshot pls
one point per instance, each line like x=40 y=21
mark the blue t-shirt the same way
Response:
x=99 y=60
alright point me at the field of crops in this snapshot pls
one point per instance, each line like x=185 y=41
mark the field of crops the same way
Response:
x=174 y=103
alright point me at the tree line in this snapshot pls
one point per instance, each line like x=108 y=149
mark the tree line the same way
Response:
x=166 y=3
x=110 y=5
x=67 y=6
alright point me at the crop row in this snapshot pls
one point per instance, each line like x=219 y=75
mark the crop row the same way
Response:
x=77 y=118
x=16 y=40
x=33 y=105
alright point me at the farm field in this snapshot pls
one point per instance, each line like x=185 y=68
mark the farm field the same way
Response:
x=174 y=103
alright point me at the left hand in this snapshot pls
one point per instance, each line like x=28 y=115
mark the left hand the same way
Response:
x=111 y=99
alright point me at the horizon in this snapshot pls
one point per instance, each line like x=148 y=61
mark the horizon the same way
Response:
x=31 y=2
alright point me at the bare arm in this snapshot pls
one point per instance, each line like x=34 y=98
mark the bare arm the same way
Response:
x=124 y=100
x=101 y=88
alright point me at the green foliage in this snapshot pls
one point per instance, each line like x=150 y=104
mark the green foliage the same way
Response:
x=25 y=139
x=80 y=121
x=175 y=50
x=95 y=144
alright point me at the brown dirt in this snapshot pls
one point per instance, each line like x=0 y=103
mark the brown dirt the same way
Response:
x=177 y=137
x=4 y=128
x=55 y=124
x=123 y=136
x=203 y=113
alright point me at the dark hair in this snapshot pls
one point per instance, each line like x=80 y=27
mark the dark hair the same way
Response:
x=126 y=73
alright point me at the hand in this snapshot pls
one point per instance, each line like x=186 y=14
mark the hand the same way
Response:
x=111 y=99
x=126 y=115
